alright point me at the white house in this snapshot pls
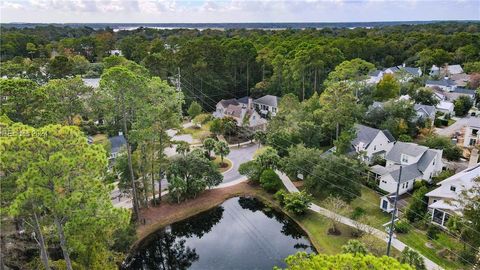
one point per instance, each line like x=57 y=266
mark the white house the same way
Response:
x=443 y=201
x=418 y=163
x=371 y=142
x=446 y=107
x=267 y=105
x=472 y=133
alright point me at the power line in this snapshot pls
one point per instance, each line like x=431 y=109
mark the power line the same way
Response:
x=371 y=202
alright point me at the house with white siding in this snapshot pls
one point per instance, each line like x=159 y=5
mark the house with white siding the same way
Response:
x=267 y=105
x=417 y=163
x=370 y=142
x=444 y=201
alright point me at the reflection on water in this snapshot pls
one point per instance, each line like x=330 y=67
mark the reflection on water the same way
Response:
x=240 y=234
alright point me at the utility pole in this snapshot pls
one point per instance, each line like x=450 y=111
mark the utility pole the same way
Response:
x=390 y=233
x=179 y=83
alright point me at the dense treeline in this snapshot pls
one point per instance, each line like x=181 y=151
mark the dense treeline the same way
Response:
x=217 y=64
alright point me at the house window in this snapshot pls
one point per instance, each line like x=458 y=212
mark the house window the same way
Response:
x=383 y=181
x=374 y=148
x=404 y=158
x=474 y=132
x=434 y=162
x=473 y=141
x=434 y=201
x=384 y=204
x=453 y=188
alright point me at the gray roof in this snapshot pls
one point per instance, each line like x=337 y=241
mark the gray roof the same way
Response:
x=412 y=70
x=462 y=90
x=269 y=100
x=366 y=134
x=243 y=100
x=226 y=102
x=409 y=172
x=442 y=82
x=377 y=104
x=430 y=110
x=117 y=142
x=426 y=159
x=400 y=148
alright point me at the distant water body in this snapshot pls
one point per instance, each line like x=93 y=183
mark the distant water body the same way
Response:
x=225 y=26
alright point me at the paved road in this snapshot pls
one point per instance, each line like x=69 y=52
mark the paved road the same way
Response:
x=230 y=177
x=238 y=156
x=458 y=125
x=377 y=233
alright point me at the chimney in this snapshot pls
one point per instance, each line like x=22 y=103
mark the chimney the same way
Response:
x=250 y=103
x=473 y=158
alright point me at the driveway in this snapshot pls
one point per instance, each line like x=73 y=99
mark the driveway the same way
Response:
x=238 y=156
x=458 y=125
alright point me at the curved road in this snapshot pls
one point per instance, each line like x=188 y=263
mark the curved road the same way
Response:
x=238 y=156
x=231 y=177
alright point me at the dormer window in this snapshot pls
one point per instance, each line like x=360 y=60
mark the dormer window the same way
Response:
x=453 y=188
x=404 y=158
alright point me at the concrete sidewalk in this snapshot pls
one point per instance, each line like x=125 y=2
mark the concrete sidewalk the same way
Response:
x=349 y=222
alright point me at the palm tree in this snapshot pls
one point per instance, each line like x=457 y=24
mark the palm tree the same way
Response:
x=221 y=149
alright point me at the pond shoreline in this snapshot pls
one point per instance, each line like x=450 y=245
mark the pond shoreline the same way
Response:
x=168 y=213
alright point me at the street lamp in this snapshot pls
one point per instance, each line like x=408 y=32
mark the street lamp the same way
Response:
x=392 y=223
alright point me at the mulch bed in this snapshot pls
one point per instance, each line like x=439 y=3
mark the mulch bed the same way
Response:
x=154 y=218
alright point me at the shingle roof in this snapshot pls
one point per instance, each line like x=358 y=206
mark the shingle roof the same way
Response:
x=427 y=158
x=243 y=100
x=442 y=82
x=364 y=134
x=461 y=90
x=400 y=148
x=412 y=70
x=234 y=110
x=269 y=100
x=409 y=172
x=430 y=110
x=226 y=102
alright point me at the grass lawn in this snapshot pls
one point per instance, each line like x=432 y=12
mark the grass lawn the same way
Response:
x=198 y=133
x=317 y=228
x=227 y=161
x=99 y=137
x=417 y=239
x=451 y=121
x=370 y=202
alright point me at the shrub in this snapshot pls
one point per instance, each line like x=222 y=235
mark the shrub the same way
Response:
x=419 y=184
x=402 y=226
x=418 y=206
x=270 y=181
x=358 y=212
x=405 y=138
x=202 y=118
x=432 y=232
x=297 y=202
x=355 y=247
x=280 y=196
x=413 y=258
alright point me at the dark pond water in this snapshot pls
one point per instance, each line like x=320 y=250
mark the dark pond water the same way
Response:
x=239 y=234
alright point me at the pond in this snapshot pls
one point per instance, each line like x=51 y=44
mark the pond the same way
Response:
x=239 y=234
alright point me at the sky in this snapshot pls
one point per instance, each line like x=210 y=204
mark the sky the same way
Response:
x=218 y=11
